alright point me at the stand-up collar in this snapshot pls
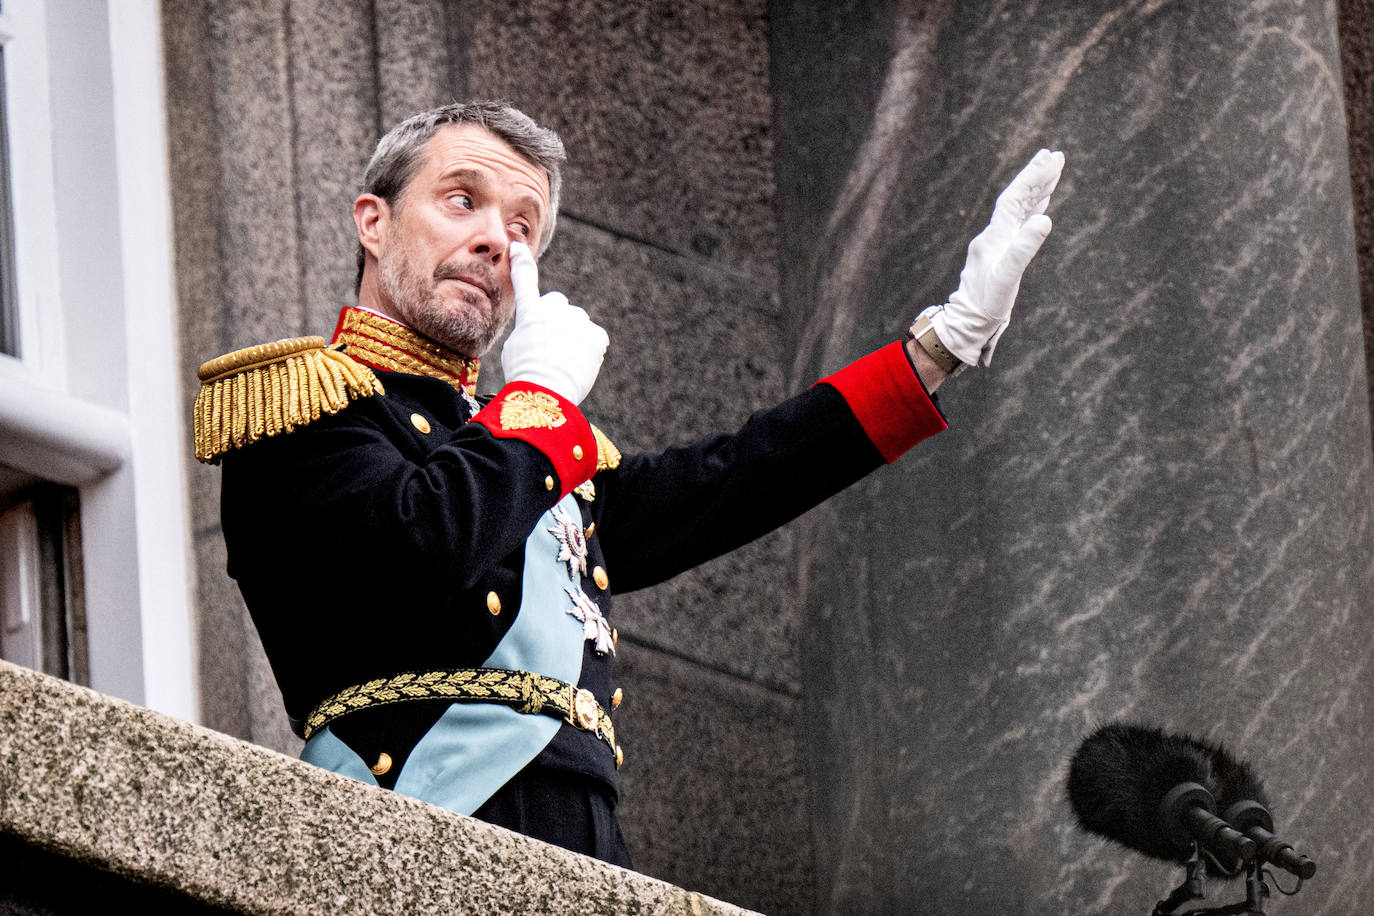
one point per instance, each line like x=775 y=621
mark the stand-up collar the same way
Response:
x=377 y=341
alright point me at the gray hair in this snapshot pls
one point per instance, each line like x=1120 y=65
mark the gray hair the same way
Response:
x=398 y=154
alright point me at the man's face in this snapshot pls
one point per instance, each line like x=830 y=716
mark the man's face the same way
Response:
x=442 y=258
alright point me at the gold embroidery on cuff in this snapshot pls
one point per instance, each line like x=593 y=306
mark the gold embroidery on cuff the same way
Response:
x=531 y=410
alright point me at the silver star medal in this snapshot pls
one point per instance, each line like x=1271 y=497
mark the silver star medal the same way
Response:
x=473 y=404
x=572 y=543
x=594 y=626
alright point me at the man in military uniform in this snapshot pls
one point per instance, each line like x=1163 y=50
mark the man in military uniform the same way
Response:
x=430 y=575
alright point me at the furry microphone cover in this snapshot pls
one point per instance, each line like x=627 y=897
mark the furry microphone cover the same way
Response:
x=1120 y=774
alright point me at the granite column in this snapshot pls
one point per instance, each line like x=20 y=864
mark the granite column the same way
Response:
x=1155 y=505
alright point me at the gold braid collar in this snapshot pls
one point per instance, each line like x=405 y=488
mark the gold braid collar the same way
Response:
x=381 y=343
x=271 y=388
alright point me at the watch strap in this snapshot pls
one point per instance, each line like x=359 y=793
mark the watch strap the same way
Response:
x=924 y=333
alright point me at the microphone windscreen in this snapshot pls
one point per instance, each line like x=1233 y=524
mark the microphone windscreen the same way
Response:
x=1118 y=779
x=1235 y=781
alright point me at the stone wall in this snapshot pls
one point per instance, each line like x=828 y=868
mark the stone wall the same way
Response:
x=108 y=807
x=1154 y=506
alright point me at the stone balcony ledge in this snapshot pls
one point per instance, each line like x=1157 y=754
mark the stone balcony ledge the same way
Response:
x=152 y=805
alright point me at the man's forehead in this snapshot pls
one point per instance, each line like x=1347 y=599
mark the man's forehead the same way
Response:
x=468 y=147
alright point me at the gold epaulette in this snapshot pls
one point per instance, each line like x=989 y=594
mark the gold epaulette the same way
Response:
x=607 y=455
x=271 y=388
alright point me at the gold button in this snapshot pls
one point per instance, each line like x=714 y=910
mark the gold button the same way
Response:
x=548 y=483
x=419 y=423
x=619 y=756
x=493 y=603
x=615 y=636
x=590 y=529
x=600 y=578
x=577 y=453
x=617 y=698
x=382 y=765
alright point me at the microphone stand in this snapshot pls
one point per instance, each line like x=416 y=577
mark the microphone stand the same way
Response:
x=1193 y=888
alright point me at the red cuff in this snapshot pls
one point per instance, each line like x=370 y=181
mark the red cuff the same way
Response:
x=888 y=400
x=549 y=422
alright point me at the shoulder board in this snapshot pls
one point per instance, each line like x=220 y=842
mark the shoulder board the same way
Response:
x=607 y=455
x=272 y=388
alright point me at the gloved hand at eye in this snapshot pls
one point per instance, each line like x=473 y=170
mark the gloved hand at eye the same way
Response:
x=553 y=343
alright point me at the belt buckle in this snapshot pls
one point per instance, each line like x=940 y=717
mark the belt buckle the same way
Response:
x=585 y=710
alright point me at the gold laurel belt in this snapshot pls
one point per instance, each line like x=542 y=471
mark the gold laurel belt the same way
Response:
x=523 y=691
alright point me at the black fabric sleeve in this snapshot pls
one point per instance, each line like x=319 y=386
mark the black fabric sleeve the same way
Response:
x=665 y=513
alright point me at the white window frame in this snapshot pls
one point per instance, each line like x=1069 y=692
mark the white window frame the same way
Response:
x=94 y=400
x=23 y=30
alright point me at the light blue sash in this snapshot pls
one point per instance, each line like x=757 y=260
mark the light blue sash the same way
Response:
x=475 y=748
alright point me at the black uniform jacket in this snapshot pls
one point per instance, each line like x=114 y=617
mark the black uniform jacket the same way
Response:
x=371 y=542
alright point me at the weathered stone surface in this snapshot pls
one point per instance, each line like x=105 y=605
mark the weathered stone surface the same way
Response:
x=125 y=790
x=1154 y=505
x=202 y=482
x=220 y=642
x=413 y=65
x=196 y=184
x=713 y=794
x=664 y=109
x=196 y=189
x=259 y=251
x=334 y=115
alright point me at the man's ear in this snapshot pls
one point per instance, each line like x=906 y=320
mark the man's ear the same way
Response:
x=371 y=215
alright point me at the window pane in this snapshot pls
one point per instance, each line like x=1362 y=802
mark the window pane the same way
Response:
x=9 y=313
x=42 y=613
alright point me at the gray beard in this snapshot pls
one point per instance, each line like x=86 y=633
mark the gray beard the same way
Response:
x=467 y=331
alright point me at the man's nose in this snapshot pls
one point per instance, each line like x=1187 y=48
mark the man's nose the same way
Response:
x=490 y=240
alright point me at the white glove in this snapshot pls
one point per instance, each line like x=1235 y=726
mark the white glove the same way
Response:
x=978 y=311
x=553 y=343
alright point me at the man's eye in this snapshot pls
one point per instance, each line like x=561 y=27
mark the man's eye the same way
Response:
x=461 y=200
x=521 y=229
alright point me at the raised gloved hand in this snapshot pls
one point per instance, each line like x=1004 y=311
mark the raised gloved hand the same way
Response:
x=970 y=324
x=553 y=343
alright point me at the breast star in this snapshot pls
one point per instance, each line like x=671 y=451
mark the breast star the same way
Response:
x=594 y=626
x=572 y=543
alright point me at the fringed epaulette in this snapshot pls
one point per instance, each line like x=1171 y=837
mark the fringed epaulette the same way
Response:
x=272 y=388
x=607 y=455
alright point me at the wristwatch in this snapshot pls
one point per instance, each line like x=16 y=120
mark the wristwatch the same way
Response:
x=924 y=334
